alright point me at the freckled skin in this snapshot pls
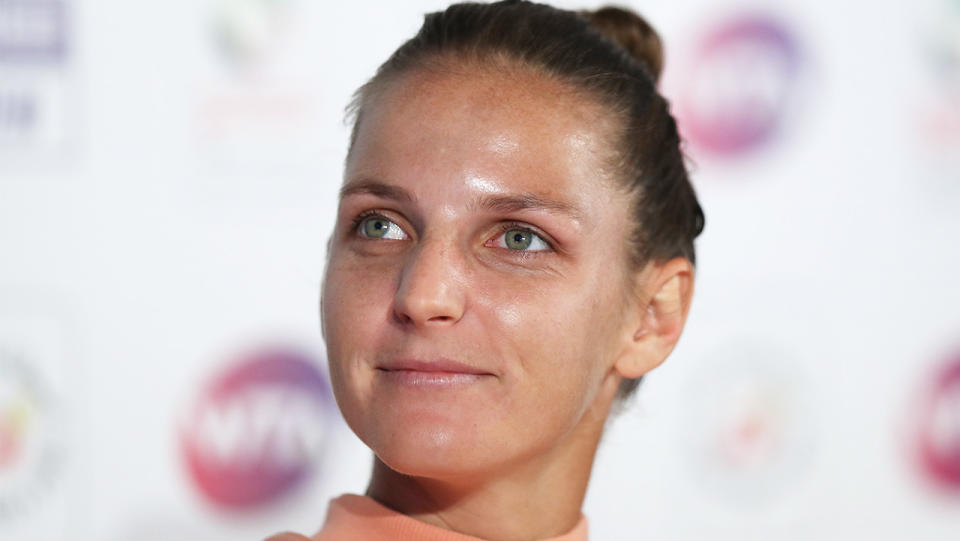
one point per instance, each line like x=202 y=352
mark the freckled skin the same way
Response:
x=547 y=327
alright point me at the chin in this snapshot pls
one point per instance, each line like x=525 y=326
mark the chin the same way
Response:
x=434 y=452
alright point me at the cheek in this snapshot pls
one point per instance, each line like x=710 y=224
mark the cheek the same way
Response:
x=356 y=306
x=356 y=295
x=556 y=331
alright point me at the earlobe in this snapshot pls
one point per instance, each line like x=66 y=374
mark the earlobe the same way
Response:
x=665 y=292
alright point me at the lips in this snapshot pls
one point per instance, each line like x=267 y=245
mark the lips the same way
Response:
x=440 y=366
x=434 y=374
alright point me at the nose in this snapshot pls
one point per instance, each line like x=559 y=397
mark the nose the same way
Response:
x=430 y=291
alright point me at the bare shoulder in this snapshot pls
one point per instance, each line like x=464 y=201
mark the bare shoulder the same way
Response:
x=287 y=536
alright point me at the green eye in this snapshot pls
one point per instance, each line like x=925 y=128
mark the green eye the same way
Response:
x=375 y=227
x=517 y=239
x=525 y=240
x=378 y=227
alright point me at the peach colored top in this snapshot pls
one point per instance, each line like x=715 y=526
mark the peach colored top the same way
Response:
x=359 y=518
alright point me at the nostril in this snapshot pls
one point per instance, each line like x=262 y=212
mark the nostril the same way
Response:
x=401 y=317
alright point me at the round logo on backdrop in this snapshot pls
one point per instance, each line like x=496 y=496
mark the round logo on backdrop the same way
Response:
x=245 y=31
x=934 y=106
x=259 y=428
x=750 y=433
x=739 y=86
x=940 y=109
x=31 y=450
x=938 y=435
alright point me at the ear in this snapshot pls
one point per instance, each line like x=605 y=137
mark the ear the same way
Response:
x=664 y=291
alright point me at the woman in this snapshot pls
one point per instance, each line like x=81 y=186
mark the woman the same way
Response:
x=513 y=251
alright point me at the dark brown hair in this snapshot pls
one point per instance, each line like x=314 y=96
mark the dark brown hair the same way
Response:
x=613 y=56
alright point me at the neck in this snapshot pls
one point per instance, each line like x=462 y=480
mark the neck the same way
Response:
x=536 y=499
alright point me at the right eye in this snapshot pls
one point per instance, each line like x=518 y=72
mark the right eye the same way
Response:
x=379 y=227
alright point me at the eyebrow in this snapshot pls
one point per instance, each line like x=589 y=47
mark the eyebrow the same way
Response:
x=379 y=189
x=528 y=201
x=496 y=203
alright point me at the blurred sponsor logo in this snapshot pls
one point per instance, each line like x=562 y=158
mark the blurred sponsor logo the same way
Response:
x=938 y=434
x=258 y=429
x=32 y=31
x=33 y=56
x=931 y=114
x=245 y=32
x=255 y=128
x=940 y=119
x=750 y=433
x=31 y=453
x=258 y=115
x=739 y=86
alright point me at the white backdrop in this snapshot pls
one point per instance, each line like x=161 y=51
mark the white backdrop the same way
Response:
x=168 y=173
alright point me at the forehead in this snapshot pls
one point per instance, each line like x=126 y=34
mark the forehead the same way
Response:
x=515 y=127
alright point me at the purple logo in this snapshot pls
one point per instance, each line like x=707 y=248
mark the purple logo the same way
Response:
x=258 y=429
x=34 y=96
x=739 y=86
x=938 y=436
x=32 y=31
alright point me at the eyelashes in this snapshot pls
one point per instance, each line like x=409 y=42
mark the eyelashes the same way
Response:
x=514 y=237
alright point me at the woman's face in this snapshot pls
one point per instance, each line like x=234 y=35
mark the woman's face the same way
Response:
x=476 y=278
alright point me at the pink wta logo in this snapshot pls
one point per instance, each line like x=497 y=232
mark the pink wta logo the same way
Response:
x=258 y=429
x=739 y=85
x=938 y=441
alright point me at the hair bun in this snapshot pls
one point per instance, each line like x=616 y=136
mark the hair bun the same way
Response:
x=633 y=33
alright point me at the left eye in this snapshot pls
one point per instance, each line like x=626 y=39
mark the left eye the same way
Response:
x=378 y=227
x=522 y=240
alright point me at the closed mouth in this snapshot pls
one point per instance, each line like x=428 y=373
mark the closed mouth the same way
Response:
x=439 y=367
